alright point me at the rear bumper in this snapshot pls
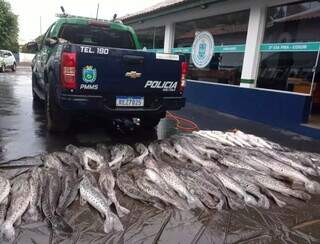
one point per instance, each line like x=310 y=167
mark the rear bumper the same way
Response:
x=107 y=105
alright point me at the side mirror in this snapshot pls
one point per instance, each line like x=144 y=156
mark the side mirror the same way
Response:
x=32 y=46
x=50 y=42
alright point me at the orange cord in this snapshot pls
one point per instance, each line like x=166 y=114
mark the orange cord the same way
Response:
x=180 y=121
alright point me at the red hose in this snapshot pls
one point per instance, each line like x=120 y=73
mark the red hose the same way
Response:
x=182 y=123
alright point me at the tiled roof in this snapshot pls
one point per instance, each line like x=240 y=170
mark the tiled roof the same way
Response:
x=166 y=4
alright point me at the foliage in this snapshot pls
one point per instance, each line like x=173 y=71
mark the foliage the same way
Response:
x=8 y=28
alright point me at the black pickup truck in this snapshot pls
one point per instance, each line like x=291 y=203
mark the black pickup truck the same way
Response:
x=93 y=66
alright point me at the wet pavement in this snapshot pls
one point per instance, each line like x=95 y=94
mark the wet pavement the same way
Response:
x=23 y=130
x=23 y=133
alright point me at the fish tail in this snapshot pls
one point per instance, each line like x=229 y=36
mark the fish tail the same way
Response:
x=112 y=222
x=7 y=231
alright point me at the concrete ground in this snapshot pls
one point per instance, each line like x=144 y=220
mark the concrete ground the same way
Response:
x=23 y=131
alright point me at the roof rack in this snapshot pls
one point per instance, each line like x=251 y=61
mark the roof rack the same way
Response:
x=87 y=18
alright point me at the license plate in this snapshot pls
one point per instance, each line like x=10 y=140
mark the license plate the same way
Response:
x=123 y=101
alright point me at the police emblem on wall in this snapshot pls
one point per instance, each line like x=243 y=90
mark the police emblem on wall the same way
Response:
x=89 y=74
x=202 y=49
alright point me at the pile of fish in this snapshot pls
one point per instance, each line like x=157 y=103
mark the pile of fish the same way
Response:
x=200 y=170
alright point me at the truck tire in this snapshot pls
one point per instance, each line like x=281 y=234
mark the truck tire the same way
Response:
x=36 y=98
x=14 y=67
x=57 y=119
x=150 y=122
x=2 y=68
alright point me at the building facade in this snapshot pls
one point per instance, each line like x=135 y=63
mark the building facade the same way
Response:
x=265 y=65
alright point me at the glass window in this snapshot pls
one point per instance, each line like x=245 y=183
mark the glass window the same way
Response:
x=290 y=49
x=97 y=36
x=229 y=32
x=152 y=38
x=297 y=22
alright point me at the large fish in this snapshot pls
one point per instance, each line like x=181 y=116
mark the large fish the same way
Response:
x=48 y=204
x=234 y=186
x=204 y=197
x=143 y=152
x=156 y=178
x=121 y=154
x=34 y=181
x=20 y=199
x=96 y=199
x=4 y=188
x=200 y=180
x=71 y=161
x=69 y=191
x=280 y=169
x=24 y=162
x=276 y=185
x=167 y=173
x=184 y=147
x=107 y=184
x=153 y=190
x=250 y=187
x=3 y=210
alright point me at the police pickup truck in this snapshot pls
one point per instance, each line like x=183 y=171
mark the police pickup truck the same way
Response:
x=86 y=66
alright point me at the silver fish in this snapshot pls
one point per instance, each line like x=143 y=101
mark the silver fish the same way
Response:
x=4 y=188
x=70 y=187
x=34 y=182
x=49 y=186
x=204 y=197
x=107 y=183
x=3 y=209
x=25 y=161
x=156 y=178
x=52 y=162
x=96 y=199
x=143 y=152
x=148 y=187
x=70 y=160
x=276 y=185
x=121 y=154
x=279 y=169
x=91 y=160
x=236 y=188
x=104 y=151
x=250 y=187
x=167 y=173
x=129 y=187
x=184 y=147
x=20 y=199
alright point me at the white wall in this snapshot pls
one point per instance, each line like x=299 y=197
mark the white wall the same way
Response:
x=26 y=57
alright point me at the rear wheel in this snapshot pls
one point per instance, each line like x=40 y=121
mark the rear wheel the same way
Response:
x=57 y=119
x=35 y=96
x=2 y=68
x=14 y=67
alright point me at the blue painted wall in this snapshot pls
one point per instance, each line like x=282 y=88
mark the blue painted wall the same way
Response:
x=279 y=109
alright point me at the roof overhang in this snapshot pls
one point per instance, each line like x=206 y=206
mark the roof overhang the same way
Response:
x=177 y=6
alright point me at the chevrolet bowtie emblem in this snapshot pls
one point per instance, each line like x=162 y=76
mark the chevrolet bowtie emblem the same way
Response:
x=133 y=75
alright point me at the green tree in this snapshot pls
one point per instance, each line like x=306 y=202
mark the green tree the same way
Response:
x=8 y=28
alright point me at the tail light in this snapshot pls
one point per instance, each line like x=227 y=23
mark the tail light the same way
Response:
x=184 y=71
x=68 y=70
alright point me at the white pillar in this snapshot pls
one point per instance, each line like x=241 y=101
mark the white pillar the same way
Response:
x=251 y=60
x=169 y=37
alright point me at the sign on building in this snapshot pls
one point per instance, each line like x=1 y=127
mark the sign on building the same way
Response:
x=202 y=49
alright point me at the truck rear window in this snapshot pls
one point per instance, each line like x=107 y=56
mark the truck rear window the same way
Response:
x=97 y=36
